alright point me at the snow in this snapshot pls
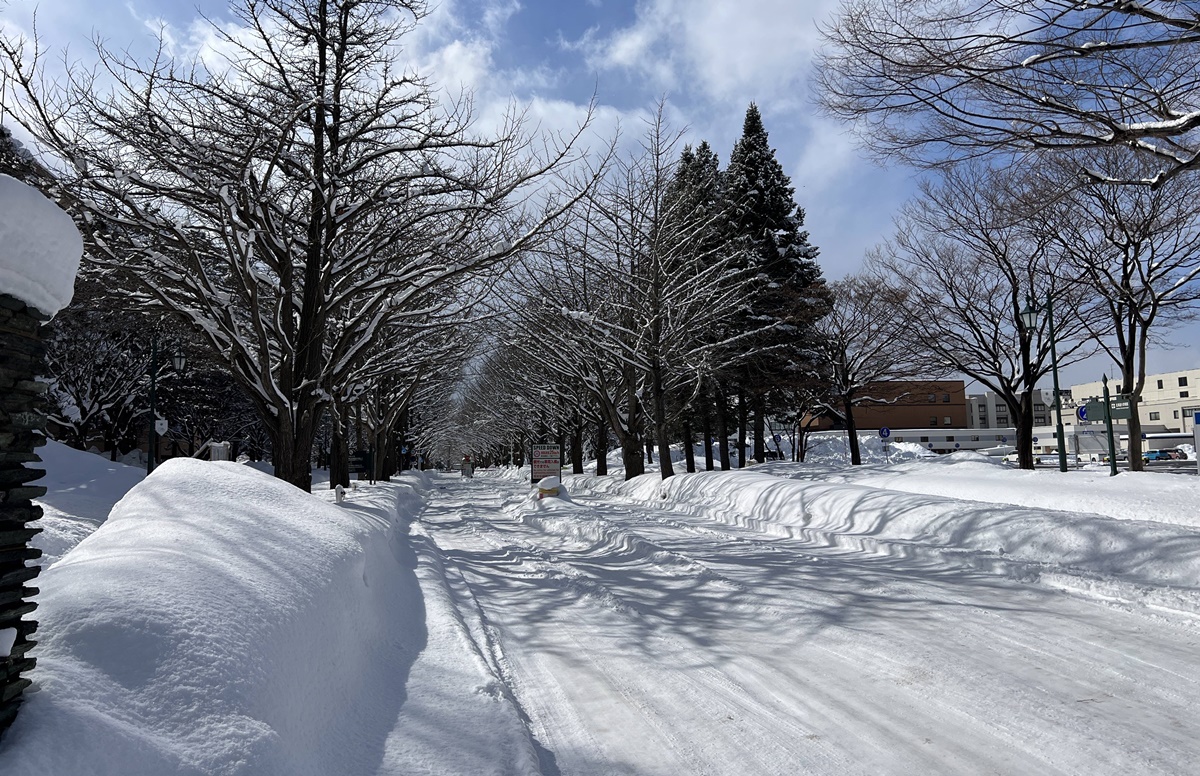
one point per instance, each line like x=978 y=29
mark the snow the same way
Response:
x=8 y=636
x=42 y=248
x=932 y=615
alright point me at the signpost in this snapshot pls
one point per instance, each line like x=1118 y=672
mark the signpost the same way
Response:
x=884 y=433
x=1119 y=405
x=1107 y=409
x=1196 y=434
x=545 y=462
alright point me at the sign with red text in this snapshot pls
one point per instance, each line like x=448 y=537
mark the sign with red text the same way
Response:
x=545 y=461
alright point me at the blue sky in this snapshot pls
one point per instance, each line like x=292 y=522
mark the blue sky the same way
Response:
x=708 y=58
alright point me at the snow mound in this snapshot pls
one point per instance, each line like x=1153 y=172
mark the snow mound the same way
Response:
x=42 y=248
x=222 y=621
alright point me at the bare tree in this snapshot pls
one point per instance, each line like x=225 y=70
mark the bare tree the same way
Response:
x=940 y=80
x=1138 y=251
x=634 y=290
x=968 y=260
x=296 y=177
x=862 y=344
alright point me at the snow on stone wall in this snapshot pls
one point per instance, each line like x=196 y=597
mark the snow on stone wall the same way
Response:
x=40 y=248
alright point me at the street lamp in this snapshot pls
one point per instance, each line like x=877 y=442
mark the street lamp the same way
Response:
x=1029 y=316
x=179 y=361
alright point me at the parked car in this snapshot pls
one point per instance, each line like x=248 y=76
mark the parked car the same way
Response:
x=1156 y=455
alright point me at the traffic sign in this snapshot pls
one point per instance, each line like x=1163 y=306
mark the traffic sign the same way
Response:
x=1081 y=412
x=160 y=426
x=885 y=432
x=778 y=439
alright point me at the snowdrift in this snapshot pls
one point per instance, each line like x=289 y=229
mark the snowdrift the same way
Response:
x=1151 y=562
x=81 y=488
x=221 y=621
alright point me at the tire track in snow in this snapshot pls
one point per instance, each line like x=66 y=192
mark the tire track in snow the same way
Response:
x=1025 y=641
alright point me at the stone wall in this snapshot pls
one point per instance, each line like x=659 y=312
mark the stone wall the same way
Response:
x=21 y=425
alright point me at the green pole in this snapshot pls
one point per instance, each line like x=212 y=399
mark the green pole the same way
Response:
x=1062 y=444
x=1112 y=447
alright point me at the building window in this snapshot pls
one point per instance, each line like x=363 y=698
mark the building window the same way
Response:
x=946 y=421
x=1039 y=408
x=1182 y=382
x=1153 y=416
x=933 y=420
x=924 y=439
x=1183 y=394
x=975 y=438
x=932 y=398
x=1176 y=414
x=1160 y=385
x=1040 y=420
x=899 y=439
x=945 y=398
x=950 y=439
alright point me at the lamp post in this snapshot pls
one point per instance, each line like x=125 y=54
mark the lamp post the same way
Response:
x=1029 y=316
x=179 y=361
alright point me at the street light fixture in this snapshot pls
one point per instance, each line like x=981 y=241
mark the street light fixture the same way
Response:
x=179 y=361
x=1029 y=316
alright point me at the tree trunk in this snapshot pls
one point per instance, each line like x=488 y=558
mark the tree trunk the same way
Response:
x=1023 y=416
x=292 y=452
x=706 y=429
x=577 y=447
x=741 y=429
x=633 y=457
x=601 y=447
x=851 y=431
x=723 y=431
x=689 y=445
x=339 y=463
x=760 y=429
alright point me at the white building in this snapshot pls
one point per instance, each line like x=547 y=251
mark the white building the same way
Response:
x=987 y=410
x=1169 y=401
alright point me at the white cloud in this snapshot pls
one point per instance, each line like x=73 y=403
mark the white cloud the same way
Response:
x=720 y=48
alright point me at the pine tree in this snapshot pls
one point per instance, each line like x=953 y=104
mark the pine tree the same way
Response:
x=763 y=224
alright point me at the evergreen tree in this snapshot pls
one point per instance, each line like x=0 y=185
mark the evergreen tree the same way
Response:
x=763 y=225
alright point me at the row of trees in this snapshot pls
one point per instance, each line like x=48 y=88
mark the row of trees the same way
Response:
x=298 y=199
x=1065 y=137
x=678 y=298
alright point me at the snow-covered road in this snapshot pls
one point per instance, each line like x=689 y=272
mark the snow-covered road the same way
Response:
x=641 y=638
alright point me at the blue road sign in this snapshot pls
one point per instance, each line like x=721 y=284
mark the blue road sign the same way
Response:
x=778 y=439
x=1081 y=411
x=885 y=432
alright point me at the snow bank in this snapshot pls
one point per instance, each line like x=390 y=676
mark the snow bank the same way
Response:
x=1154 y=562
x=42 y=248
x=1156 y=497
x=219 y=622
x=81 y=488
